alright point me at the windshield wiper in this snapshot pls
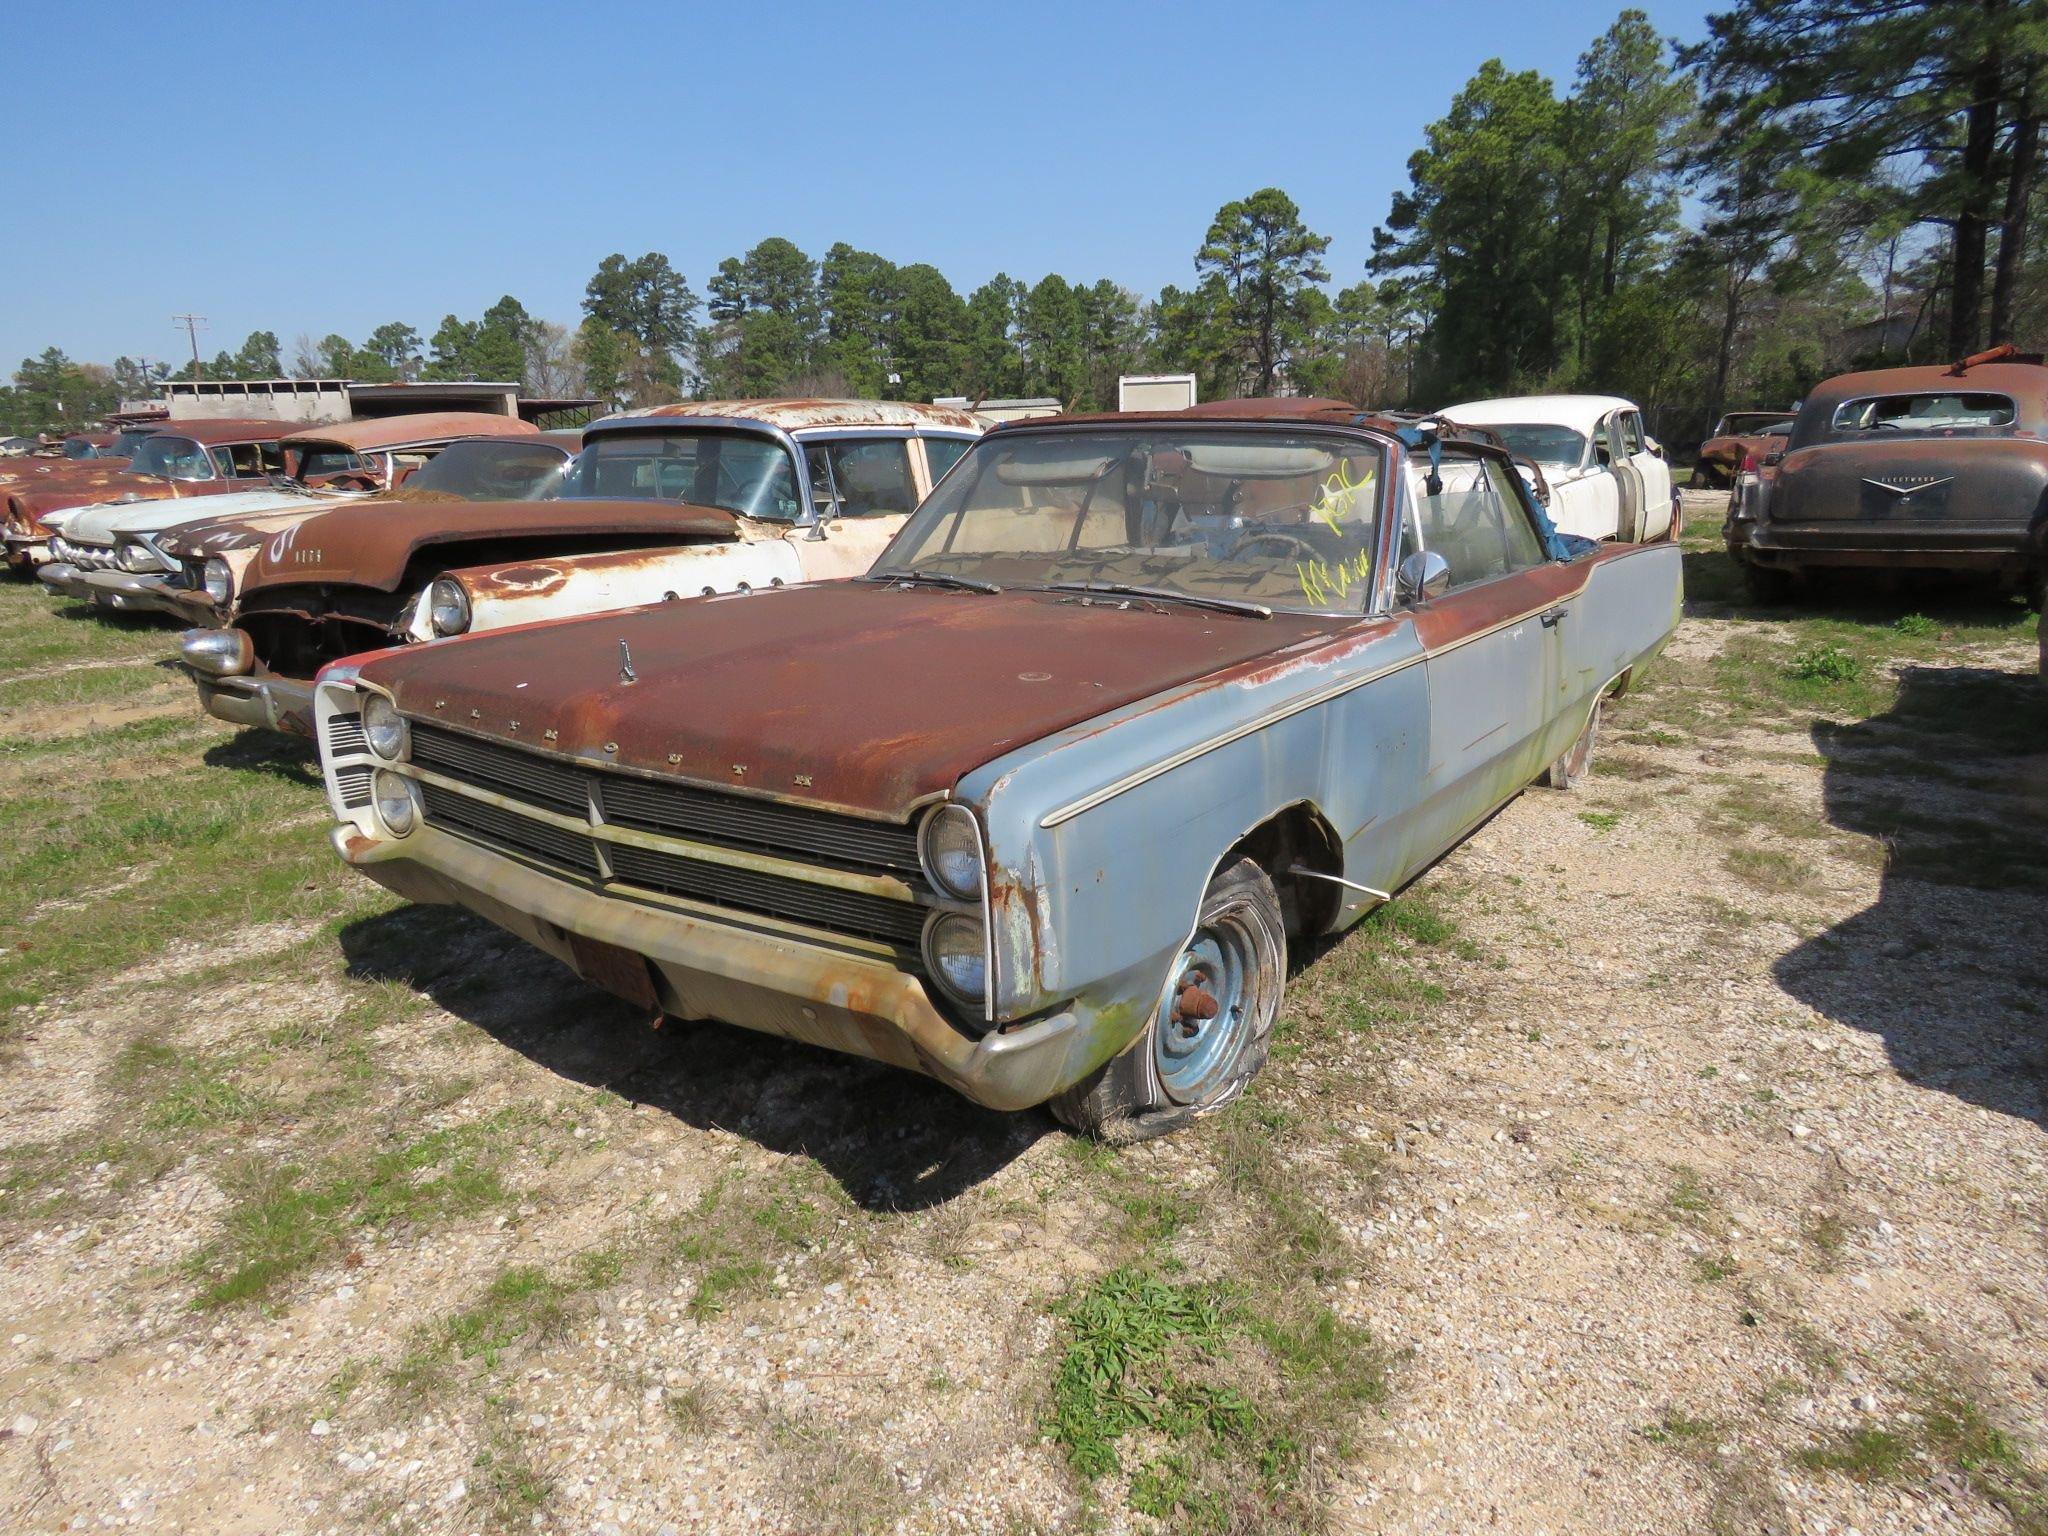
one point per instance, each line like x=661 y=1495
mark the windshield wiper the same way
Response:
x=933 y=579
x=1163 y=594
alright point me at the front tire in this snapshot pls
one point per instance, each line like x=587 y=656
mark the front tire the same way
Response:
x=1577 y=761
x=1210 y=1031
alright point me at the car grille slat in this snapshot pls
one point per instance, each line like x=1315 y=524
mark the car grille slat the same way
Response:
x=519 y=775
x=508 y=830
x=353 y=783
x=345 y=735
x=759 y=826
x=821 y=906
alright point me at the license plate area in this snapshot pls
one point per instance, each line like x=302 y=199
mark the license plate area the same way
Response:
x=620 y=972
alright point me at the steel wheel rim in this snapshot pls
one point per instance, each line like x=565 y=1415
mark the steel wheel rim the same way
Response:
x=1195 y=1056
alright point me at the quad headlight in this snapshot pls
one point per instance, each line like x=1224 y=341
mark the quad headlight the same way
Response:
x=448 y=606
x=956 y=951
x=385 y=728
x=137 y=558
x=397 y=802
x=949 y=843
x=218 y=580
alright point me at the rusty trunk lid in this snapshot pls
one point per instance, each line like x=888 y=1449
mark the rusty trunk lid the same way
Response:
x=1914 y=480
x=372 y=543
x=852 y=695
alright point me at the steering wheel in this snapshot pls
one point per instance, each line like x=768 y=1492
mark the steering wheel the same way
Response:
x=1292 y=541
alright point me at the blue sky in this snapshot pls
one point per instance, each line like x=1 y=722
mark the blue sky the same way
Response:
x=327 y=168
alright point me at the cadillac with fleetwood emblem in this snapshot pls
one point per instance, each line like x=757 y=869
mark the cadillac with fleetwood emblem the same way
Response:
x=1131 y=706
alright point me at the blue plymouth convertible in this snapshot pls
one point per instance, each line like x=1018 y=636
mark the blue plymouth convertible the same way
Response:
x=1130 y=705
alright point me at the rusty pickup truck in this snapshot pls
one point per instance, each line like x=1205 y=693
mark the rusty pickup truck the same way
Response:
x=677 y=500
x=1930 y=469
x=1132 y=706
x=119 y=555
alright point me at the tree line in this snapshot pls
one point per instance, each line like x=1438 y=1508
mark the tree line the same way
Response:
x=1816 y=184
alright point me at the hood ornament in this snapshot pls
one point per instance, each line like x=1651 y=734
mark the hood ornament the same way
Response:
x=626 y=672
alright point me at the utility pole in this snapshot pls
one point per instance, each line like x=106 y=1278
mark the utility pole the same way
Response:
x=193 y=324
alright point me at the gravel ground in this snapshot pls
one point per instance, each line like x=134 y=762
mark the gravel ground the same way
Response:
x=1683 y=1185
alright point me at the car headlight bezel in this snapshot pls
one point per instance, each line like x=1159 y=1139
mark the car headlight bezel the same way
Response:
x=949 y=844
x=955 y=948
x=218 y=580
x=448 y=608
x=385 y=729
x=396 y=800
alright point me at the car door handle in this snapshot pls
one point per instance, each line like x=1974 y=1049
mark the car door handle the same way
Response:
x=1554 y=617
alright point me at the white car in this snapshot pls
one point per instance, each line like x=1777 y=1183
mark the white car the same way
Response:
x=1608 y=478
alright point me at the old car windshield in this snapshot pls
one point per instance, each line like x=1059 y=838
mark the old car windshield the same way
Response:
x=80 y=448
x=1552 y=446
x=331 y=461
x=174 y=458
x=1284 y=519
x=1934 y=411
x=489 y=470
x=739 y=471
x=130 y=440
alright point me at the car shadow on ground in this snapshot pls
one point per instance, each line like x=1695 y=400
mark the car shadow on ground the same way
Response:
x=890 y=1139
x=1950 y=965
x=290 y=758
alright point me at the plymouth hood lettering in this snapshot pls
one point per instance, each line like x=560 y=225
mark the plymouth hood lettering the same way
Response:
x=853 y=695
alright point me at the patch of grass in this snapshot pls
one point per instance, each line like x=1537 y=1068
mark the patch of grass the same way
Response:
x=735 y=1236
x=1680 y=1429
x=1915 y=626
x=1868 y=1454
x=1690 y=1201
x=1600 y=821
x=1823 y=663
x=689 y=1409
x=1711 y=1269
x=286 y=1219
x=182 y=1090
x=1772 y=869
x=508 y=1486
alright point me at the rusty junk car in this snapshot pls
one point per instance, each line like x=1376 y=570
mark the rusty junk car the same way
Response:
x=118 y=554
x=189 y=458
x=1929 y=468
x=1738 y=437
x=676 y=500
x=1035 y=806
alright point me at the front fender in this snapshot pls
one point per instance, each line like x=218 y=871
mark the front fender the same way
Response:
x=1103 y=837
x=562 y=587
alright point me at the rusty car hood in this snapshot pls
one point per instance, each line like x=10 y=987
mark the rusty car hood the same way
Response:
x=854 y=695
x=370 y=544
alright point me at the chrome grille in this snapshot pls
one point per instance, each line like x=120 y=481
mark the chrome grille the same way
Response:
x=678 y=810
x=701 y=816
x=345 y=736
x=353 y=783
x=508 y=830
x=873 y=917
x=505 y=771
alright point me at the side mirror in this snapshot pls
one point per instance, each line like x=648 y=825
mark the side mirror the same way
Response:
x=1776 y=456
x=824 y=508
x=1653 y=445
x=1422 y=576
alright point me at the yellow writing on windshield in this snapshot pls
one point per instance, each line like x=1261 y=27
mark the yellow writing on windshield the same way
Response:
x=1325 y=585
x=1337 y=497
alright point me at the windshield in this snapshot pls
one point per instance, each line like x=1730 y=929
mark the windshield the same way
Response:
x=174 y=458
x=80 y=448
x=1941 y=411
x=1550 y=445
x=739 y=471
x=1739 y=425
x=333 y=461
x=489 y=471
x=1285 y=519
x=130 y=439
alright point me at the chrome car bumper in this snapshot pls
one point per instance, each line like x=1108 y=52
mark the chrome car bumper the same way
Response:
x=701 y=968
x=1961 y=546
x=272 y=703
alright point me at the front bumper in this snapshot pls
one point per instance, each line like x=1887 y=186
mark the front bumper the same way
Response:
x=773 y=983
x=270 y=703
x=27 y=551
